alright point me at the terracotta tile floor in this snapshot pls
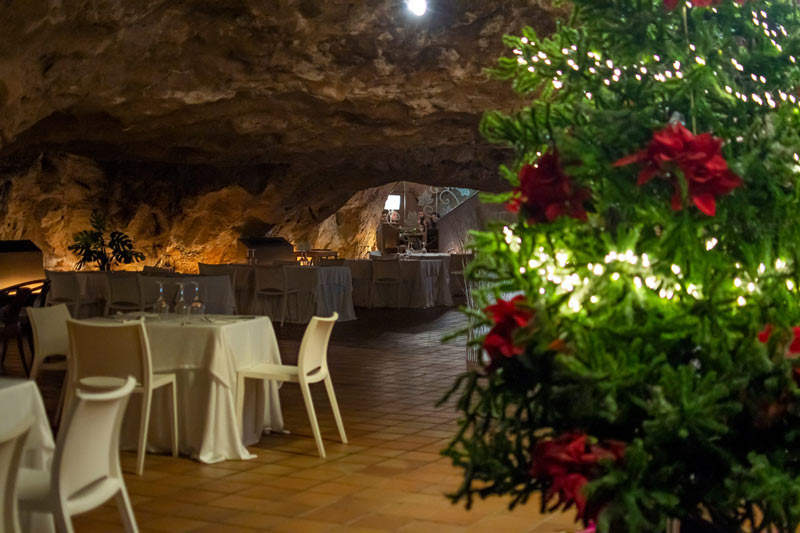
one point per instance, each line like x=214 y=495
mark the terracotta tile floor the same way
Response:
x=389 y=368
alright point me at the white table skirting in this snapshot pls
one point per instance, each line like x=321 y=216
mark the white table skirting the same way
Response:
x=321 y=292
x=18 y=400
x=425 y=283
x=205 y=357
x=216 y=292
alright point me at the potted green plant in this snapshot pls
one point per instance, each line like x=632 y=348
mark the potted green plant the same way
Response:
x=91 y=246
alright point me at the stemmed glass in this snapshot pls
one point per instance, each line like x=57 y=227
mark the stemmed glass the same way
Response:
x=181 y=308
x=161 y=306
x=198 y=308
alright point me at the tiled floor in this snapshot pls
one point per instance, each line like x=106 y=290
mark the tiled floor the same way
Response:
x=389 y=369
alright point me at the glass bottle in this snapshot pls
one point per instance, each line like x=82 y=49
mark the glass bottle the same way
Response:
x=161 y=306
x=181 y=308
x=197 y=308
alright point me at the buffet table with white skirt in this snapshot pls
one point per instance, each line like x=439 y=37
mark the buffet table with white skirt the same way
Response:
x=424 y=283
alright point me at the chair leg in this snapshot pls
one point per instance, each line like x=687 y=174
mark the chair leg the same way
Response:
x=240 y=382
x=3 y=354
x=126 y=510
x=63 y=520
x=335 y=407
x=144 y=422
x=312 y=418
x=174 y=390
x=23 y=357
x=61 y=400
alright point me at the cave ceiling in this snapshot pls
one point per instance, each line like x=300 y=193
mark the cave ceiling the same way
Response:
x=322 y=90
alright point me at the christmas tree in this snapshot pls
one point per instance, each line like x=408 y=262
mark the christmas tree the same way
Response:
x=641 y=309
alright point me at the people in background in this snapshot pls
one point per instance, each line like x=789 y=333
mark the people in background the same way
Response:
x=432 y=233
x=421 y=219
x=394 y=217
x=385 y=216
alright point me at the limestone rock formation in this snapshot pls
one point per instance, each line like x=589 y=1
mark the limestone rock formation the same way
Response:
x=194 y=121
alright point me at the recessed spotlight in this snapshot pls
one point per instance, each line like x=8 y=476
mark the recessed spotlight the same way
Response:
x=418 y=7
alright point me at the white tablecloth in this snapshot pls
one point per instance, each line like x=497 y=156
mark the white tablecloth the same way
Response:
x=321 y=291
x=425 y=283
x=20 y=399
x=205 y=357
x=215 y=291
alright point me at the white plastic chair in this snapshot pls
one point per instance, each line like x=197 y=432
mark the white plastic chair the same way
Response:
x=120 y=350
x=385 y=273
x=124 y=292
x=272 y=282
x=50 y=344
x=12 y=443
x=312 y=367
x=86 y=471
x=65 y=289
x=222 y=270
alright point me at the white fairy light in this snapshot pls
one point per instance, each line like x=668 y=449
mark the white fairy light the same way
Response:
x=615 y=276
x=638 y=282
x=651 y=282
x=522 y=270
x=675 y=269
x=751 y=287
x=645 y=261
x=711 y=243
x=737 y=282
x=598 y=270
x=561 y=259
x=700 y=60
x=779 y=264
x=542 y=291
x=594 y=299
x=762 y=268
x=741 y=301
x=574 y=304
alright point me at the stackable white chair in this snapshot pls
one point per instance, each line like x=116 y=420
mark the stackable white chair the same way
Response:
x=385 y=273
x=222 y=270
x=86 y=471
x=124 y=292
x=272 y=282
x=120 y=350
x=12 y=443
x=65 y=289
x=50 y=344
x=312 y=367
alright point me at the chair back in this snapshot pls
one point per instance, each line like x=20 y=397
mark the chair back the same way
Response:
x=386 y=269
x=218 y=270
x=88 y=447
x=102 y=349
x=50 y=336
x=12 y=443
x=314 y=346
x=271 y=277
x=123 y=287
x=332 y=262
x=157 y=270
x=63 y=285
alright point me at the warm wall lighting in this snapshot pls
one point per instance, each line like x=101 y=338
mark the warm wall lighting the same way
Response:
x=418 y=7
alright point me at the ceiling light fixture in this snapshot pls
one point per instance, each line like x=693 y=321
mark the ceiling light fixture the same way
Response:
x=418 y=7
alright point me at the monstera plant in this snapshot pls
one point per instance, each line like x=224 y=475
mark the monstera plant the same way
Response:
x=90 y=246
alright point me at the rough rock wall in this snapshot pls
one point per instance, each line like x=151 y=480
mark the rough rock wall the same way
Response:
x=53 y=198
x=195 y=121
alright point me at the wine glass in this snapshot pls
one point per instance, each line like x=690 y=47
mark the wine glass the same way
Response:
x=181 y=308
x=161 y=306
x=198 y=308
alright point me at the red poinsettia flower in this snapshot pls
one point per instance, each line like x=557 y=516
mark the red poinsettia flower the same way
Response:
x=545 y=192
x=569 y=462
x=508 y=317
x=794 y=346
x=672 y=4
x=698 y=157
